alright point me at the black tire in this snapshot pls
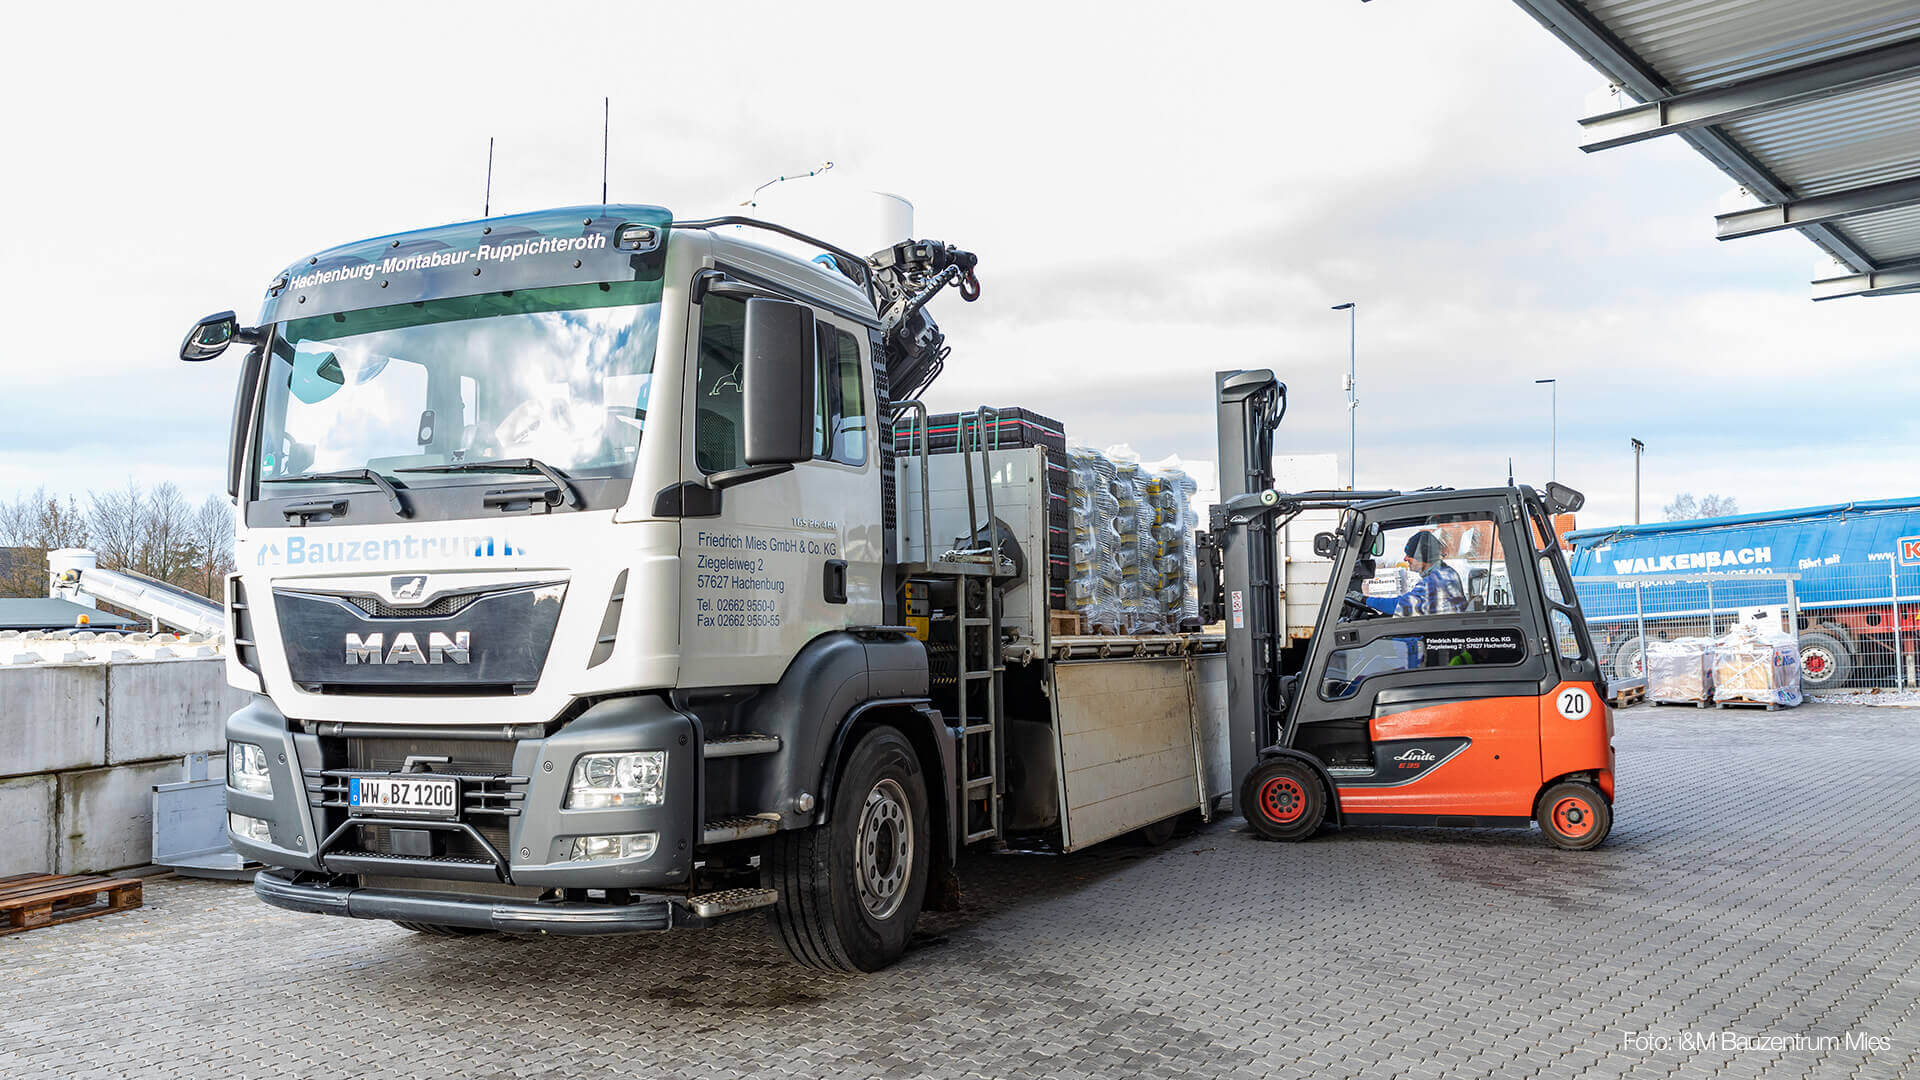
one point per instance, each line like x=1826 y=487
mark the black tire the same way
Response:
x=1574 y=815
x=1825 y=661
x=1283 y=799
x=1155 y=834
x=841 y=908
x=1626 y=660
x=440 y=929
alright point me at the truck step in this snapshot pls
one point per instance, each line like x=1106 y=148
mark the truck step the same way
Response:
x=742 y=745
x=730 y=902
x=721 y=830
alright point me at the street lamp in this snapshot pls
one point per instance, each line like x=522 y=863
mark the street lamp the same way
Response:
x=1555 y=383
x=1638 y=449
x=1353 y=389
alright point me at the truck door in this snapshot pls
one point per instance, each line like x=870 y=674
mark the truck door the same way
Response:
x=1422 y=689
x=787 y=557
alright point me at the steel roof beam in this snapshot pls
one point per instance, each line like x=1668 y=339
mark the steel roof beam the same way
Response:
x=1751 y=97
x=1817 y=209
x=1897 y=279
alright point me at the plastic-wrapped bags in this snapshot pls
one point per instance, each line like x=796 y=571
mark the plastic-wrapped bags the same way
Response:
x=1680 y=671
x=1756 y=667
x=1131 y=549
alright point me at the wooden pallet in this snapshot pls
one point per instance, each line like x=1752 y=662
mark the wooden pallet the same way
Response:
x=1623 y=694
x=1065 y=623
x=28 y=901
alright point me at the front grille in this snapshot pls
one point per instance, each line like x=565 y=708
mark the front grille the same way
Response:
x=440 y=608
x=490 y=795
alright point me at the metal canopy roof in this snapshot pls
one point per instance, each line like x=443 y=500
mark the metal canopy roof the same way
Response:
x=1813 y=106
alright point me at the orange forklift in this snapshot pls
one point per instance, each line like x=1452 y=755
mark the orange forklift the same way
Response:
x=1449 y=679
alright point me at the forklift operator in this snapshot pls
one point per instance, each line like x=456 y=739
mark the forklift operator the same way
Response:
x=1438 y=592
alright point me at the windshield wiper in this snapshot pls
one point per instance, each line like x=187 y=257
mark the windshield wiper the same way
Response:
x=556 y=479
x=364 y=476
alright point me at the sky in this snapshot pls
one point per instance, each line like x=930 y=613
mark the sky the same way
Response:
x=1156 y=193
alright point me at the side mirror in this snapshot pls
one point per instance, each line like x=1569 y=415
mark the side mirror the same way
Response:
x=1326 y=545
x=1563 y=499
x=776 y=377
x=210 y=337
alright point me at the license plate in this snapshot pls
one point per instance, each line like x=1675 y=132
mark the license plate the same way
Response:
x=415 y=796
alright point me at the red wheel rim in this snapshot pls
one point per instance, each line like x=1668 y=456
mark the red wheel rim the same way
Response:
x=1573 y=816
x=1282 y=799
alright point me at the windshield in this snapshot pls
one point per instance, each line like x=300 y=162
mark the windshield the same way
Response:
x=560 y=375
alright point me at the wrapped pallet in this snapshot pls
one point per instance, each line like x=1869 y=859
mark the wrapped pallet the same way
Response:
x=1680 y=672
x=1756 y=667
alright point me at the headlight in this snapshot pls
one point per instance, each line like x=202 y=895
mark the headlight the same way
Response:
x=628 y=846
x=250 y=828
x=603 y=780
x=247 y=769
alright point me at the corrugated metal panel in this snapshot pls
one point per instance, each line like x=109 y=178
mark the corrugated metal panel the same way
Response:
x=1890 y=236
x=1695 y=43
x=1841 y=142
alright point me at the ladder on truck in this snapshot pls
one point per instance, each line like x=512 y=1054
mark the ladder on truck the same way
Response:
x=964 y=631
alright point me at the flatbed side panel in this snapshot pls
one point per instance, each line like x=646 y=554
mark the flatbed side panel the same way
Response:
x=1127 y=744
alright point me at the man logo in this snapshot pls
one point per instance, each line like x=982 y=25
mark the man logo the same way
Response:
x=441 y=649
x=407 y=588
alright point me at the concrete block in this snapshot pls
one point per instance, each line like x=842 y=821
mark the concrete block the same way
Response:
x=167 y=708
x=52 y=717
x=26 y=816
x=106 y=816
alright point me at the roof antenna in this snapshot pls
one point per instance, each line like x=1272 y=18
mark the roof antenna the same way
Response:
x=606 y=130
x=486 y=208
x=1509 y=472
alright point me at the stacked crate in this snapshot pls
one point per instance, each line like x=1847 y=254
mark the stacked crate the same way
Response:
x=1014 y=428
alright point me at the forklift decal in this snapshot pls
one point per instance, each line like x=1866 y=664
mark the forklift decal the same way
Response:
x=1574 y=703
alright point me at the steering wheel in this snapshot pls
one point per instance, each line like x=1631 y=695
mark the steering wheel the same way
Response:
x=1357 y=605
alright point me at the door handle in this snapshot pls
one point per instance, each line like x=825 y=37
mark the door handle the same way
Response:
x=834 y=581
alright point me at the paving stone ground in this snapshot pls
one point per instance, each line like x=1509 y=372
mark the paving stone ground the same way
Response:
x=1758 y=899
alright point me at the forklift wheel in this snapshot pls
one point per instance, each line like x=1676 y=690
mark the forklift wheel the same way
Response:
x=1283 y=800
x=1574 y=815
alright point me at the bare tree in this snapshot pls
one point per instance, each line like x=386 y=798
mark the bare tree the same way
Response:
x=1685 y=507
x=30 y=526
x=211 y=536
x=165 y=542
x=114 y=524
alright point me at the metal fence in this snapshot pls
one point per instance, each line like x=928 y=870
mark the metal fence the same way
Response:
x=1856 y=622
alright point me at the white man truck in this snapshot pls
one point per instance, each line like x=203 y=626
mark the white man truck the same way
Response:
x=583 y=592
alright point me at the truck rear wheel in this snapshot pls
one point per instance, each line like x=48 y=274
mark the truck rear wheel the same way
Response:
x=851 y=890
x=1825 y=661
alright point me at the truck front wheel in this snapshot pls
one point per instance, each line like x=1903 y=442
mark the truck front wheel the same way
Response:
x=851 y=890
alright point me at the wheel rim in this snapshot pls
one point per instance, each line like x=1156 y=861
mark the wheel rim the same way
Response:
x=1573 y=816
x=883 y=849
x=1816 y=663
x=1282 y=799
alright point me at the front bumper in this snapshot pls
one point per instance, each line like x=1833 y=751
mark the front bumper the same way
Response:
x=645 y=913
x=529 y=844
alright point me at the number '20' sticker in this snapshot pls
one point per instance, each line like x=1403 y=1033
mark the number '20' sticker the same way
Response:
x=1574 y=703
